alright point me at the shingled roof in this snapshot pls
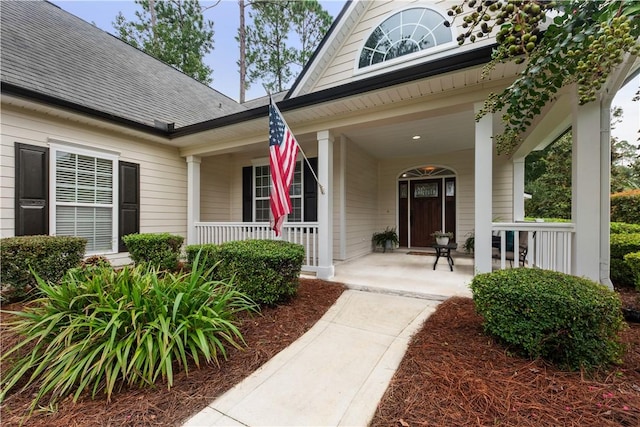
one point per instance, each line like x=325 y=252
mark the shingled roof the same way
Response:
x=48 y=51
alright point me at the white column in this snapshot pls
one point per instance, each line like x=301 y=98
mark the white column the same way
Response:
x=325 y=205
x=341 y=188
x=193 y=198
x=483 y=191
x=518 y=189
x=585 y=182
x=605 y=192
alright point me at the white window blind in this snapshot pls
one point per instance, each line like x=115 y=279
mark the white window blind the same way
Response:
x=262 y=189
x=85 y=198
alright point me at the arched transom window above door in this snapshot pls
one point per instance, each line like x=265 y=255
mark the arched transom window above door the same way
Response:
x=407 y=32
x=427 y=172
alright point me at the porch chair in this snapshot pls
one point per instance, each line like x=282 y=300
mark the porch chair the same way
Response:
x=523 y=247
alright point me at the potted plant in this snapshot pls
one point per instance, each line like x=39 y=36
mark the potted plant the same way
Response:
x=442 y=237
x=387 y=239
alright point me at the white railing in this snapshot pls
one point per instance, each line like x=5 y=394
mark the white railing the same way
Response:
x=548 y=244
x=304 y=233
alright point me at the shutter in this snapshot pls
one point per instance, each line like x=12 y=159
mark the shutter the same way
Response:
x=247 y=194
x=129 y=201
x=32 y=190
x=310 y=191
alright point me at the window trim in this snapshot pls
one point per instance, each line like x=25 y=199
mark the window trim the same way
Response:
x=264 y=161
x=404 y=60
x=54 y=148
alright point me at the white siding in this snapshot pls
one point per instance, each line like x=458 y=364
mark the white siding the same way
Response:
x=163 y=178
x=341 y=68
x=215 y=188
x=361 y=200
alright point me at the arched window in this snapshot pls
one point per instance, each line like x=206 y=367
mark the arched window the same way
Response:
x=411 y=30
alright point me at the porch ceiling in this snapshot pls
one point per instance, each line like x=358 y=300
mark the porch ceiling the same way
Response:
x=440 y=109
x=438 y=133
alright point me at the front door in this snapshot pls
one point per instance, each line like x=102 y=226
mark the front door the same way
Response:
x=425 y=211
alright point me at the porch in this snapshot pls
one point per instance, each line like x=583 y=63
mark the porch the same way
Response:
x=410 y=271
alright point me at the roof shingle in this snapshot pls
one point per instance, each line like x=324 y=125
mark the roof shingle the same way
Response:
x=49 y=51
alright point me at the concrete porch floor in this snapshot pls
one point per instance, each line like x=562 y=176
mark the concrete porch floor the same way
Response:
x=400 y=273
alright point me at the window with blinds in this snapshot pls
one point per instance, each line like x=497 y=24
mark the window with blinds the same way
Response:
x=84 y=198
x=262 y=188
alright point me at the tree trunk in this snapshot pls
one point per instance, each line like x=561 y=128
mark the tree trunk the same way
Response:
x=243 y=51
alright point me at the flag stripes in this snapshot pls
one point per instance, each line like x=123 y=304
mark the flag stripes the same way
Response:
x=283 y=151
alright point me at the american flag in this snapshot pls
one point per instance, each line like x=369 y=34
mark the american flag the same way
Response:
x=283 y=150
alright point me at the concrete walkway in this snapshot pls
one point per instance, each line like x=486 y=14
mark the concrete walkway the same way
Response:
x=334 y=375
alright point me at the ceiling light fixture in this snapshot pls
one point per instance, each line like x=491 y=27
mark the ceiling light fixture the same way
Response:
x=415 y=137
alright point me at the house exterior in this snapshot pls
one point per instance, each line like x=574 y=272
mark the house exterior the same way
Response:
x=100 y=140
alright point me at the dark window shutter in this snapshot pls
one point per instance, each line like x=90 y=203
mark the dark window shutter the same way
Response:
x=247 y=194
x=129 y=203
x=310 y=191
x=32 y=190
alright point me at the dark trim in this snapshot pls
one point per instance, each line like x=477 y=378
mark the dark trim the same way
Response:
x=417 y=72
x=317 y=50
x=10 y=89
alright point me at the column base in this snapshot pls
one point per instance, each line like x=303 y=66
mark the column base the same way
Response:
x=325 y=273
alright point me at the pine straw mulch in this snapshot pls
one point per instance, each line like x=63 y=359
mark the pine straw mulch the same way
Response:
x=455 y=375
x=265 y=334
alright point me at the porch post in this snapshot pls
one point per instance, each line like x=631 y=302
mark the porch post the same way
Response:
x=483 y=190
x=585 y=183
x=605 y=192
x=193 y=198
x=325 y=205
x=518 y=189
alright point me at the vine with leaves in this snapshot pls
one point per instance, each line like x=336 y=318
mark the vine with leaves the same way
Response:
x=583 y=42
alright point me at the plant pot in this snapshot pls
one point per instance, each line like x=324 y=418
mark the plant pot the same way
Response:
x=442 y=240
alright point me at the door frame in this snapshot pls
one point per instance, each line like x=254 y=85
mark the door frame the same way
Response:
x=447 y=172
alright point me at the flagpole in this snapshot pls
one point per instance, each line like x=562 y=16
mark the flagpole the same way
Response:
x=299 y=147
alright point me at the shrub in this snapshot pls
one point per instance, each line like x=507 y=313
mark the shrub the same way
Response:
x=110 y=328
x=266 y=270
x=95 y=261
x=624 y=228
x=568 y=320
x=48 y=256
x=632 y=261
x=621 y=245
x=625 y=207
x=160 y=250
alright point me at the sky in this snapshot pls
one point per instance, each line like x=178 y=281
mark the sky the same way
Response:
x=225 y=55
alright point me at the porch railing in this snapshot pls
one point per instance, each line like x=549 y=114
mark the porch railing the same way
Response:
x=304 y=233
x=548 y=244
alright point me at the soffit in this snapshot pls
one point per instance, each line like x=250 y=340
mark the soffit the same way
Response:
x=393 y=107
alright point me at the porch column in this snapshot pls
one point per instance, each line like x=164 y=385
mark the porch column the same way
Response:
x=325 y=205
x=605 y=192
x=518 y=189
x=483 y=191
x=193 y=198
x=585 y=183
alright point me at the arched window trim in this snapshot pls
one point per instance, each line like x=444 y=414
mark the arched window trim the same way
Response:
x=408 y=58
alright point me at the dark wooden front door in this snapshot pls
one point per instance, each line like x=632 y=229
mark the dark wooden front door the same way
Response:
x=426 y=211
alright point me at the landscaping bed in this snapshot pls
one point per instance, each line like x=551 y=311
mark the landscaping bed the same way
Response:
x=265 y=334
x=454 y=374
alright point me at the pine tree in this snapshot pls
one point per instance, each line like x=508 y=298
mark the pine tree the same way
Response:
x=174 y=31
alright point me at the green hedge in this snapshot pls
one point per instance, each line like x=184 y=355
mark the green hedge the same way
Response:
x=570 y=321
x=625 y=207
x=265 y=270
x=621 y=245
x=624 y=228
x=632 y=261
x=161 y=250
x=49 y=256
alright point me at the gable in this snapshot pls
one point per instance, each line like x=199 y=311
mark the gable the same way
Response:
x=340 y=58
